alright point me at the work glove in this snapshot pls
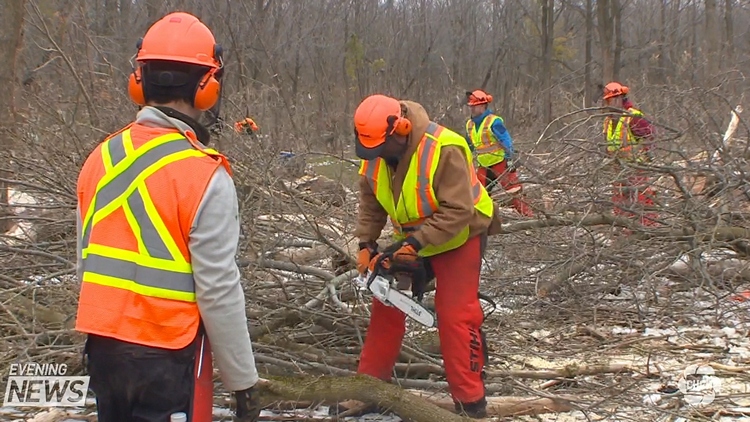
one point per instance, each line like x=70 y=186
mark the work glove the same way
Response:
x=403 y=253
x=367 y=251
x=248 y=406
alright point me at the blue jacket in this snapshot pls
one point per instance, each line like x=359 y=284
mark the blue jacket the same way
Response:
x=498 y=129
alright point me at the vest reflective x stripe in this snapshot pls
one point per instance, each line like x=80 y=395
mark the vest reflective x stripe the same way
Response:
x=138 y=194
x=489 y=149
x=158 y=270
x=417 y=201
x=620 y=137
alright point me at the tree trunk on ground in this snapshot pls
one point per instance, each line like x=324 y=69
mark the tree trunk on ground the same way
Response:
x=414 y=406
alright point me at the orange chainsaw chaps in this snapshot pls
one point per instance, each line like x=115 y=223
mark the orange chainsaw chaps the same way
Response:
x=203 y=390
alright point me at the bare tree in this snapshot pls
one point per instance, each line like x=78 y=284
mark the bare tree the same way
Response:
x=547 y=40
x=11 y=21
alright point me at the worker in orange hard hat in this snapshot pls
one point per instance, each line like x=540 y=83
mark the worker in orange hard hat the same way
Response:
x=158 y=228
x=629 y=138
x=421 y=176
x=246 y=125
x=489 y=139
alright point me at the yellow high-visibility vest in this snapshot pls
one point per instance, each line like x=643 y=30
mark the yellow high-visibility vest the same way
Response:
x=417 y=201
x=621 y=139
x=489 y=149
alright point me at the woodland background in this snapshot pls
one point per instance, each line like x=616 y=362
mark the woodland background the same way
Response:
x=571 y=290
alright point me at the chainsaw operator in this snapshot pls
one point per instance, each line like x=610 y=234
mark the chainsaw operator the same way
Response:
x=630 y=139
x=490 y=140
x=421 y=175
x=158 y=229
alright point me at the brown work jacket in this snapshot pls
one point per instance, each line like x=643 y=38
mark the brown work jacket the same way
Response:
x=452 y=189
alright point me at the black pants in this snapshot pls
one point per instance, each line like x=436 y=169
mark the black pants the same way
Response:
x=135 y=383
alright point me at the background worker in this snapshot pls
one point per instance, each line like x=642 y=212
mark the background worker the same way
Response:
x=421 y=175
x=489 y=139
x=246 y=126
x=158 y=228
x=630 y=139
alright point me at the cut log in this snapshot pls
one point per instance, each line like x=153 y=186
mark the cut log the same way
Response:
x=506 y=406
x=409 y=405
x=50 y=318
x=366 y=389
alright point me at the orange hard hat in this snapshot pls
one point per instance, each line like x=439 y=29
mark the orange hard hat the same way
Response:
x=246 y=123
x=614 y=89
x=377 y=117
x=180 y=37
x=477 y=97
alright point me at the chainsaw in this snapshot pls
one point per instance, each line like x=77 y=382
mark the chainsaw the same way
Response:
x=383 y=289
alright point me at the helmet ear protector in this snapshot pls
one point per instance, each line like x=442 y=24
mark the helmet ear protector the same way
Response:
x=398 y=125
x=206 y=91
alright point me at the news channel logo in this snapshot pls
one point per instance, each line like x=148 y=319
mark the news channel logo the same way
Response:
x=33 y=384
x=699 y=385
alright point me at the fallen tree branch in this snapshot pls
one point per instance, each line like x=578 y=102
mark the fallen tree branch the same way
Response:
x=409 y=405
x=572 y=221
x=506 y=406
x=568 y=371
x=295 y=317
x=288 y=266
x=363 y=388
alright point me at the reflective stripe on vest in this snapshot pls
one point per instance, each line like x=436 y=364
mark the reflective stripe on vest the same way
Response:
x=619 y=135
x=489 y=149
x=158 y=269
x=417 y=201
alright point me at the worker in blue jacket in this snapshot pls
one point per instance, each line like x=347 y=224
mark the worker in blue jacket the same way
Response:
x=489 y=139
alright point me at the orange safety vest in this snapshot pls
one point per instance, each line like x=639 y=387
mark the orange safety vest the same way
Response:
x=138 y=194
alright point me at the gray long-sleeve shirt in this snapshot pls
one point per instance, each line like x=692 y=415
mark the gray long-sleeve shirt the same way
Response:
x=213 y=240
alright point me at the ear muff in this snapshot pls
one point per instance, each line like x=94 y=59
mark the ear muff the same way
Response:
x=135 y=82
x=135 y=87
x=399 y=125
x=207 y=92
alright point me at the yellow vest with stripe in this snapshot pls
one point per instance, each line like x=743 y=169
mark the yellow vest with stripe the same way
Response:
x=621 y=139
x=488 y=148
x=418 y=201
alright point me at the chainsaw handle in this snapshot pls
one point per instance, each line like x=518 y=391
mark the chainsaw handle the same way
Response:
x=378 y=268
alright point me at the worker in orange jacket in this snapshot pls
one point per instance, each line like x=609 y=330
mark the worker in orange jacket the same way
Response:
x=630 y=138
x=158 y=229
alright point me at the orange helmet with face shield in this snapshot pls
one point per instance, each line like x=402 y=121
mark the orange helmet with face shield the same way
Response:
x=477 y=97
x=614 y=89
